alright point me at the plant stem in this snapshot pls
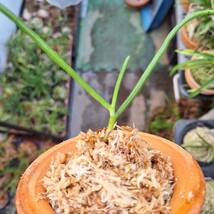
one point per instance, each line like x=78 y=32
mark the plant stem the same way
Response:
x=157 y=57
x=111 y=122
x=54 y=56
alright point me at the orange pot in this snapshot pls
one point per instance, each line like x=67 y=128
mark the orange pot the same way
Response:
x=189 y=191
x=187 y=41
x=137 y=3
x=194 y=85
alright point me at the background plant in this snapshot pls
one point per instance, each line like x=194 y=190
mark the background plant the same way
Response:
x=203 y=3
x=111 y=107
x=204 y=29
x=34 y=91
x=200 y=143
x=201 y=65
x=163 y=120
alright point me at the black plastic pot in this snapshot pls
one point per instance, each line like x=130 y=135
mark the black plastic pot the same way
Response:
x=180 y=130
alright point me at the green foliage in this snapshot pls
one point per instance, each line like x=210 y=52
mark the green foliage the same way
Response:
x=16 y=153
x=201 y=65
x=203 y=3
x=58 y=60
x=200 y=143
x=163 y=120
x=204 y=33
x=194 y=92
x=34 y=89
x=160 y=123
x=204 y=30
x=12 y=165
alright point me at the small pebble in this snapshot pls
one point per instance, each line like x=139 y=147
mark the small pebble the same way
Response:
x=57 y=34
x=66 y=30
x=26 y=14
x=43 y=13
x=45 y=30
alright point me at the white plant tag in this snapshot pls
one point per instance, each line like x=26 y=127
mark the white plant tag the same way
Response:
x=63 y=3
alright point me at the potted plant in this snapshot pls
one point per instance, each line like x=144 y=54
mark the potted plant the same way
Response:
x=196 y=137
x=198 y=71
x=186 y=196
x=199 y=32
x=200 y=143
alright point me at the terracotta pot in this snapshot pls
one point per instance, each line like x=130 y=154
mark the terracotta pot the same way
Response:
x=137 y=3
x=189 y=191
x=194 y=85
x=185 y=4
x=189 y=43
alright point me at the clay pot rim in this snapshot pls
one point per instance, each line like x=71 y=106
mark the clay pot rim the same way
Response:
x=187 y=41
x=193 y=83
x=136 y=5
x=185 y=5
x=188 y=195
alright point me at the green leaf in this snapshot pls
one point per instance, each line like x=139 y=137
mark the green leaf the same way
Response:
x=195 y=92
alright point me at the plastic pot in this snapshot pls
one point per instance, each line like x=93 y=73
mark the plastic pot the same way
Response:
x=188 y=195
x=194 y=85
x=180 y=130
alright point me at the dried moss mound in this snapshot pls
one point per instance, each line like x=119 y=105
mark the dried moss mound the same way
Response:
x=122 y=175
